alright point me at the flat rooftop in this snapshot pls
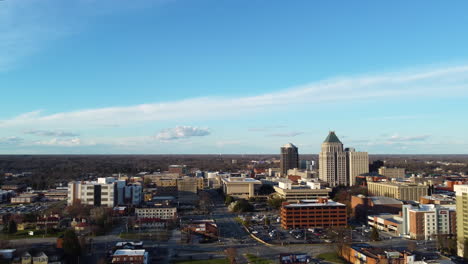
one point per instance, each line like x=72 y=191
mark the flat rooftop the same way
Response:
x=241 y=180
x=313 y=203
x=129 y=252
x=381 y=200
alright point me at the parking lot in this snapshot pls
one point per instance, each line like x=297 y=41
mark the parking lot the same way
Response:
x=270 y=231
x=24 y=208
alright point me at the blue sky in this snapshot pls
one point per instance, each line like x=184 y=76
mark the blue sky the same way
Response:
x=181 y=76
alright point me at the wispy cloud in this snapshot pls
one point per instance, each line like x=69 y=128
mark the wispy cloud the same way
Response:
x=51 y=133
x=398 y=138
x=286 y=134
x=59 y=142
x=398 y=117
x=11 y=141
x=453 y=81
x=181 y=132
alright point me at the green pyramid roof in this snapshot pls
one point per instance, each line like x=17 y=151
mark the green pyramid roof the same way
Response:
x=332 y=138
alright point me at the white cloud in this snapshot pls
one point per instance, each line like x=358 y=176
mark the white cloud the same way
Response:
x=51 y=133
x=451 y=82
x=398 y=138
x=60 y=142
x=181 y=132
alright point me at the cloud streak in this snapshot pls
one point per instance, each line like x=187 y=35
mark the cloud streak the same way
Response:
x=398 y=138
x=11 y=141
x=181 y=132
x=452 y=81
x=50 y=133
x=59 y=142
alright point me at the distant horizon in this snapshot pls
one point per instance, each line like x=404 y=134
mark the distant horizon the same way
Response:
x=212 y=154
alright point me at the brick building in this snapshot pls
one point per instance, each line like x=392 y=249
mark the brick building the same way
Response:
x=313 y=213
x=366 y=254
x=130 y=256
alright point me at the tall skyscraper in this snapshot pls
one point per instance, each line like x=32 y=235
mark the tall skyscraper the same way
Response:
x=461 y=193
x=332 y=161
x=289 y=158
x=357 y=163
x=338 y=166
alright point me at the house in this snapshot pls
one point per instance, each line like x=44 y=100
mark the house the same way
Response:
x=40 y=258
x=130 y=256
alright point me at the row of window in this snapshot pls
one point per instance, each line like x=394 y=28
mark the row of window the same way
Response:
x=311 y=217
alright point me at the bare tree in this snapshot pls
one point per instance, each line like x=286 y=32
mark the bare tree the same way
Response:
x=231 y=255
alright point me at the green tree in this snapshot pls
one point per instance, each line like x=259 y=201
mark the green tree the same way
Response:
x=10 y=227
x=71 y=245
x=30 y=217
x=375 y=234
x=147 y=182
x=276 y=202
x=243 y=205
x=228 y=200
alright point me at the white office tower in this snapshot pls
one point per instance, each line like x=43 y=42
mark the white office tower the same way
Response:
x=332 y=161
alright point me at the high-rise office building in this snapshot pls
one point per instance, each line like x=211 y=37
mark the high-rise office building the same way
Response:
x=461 y=193
x=338 y=166
x=357 y=163
x=332 y=161
x=289 y=158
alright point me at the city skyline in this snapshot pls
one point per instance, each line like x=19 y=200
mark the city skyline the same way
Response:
x=210 y=77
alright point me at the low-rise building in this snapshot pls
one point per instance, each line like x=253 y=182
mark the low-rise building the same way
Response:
x=437 y=199
x=296 y=192
x=387 y=222
x=130 y=256
x=159 y=212
x=240 y=187
x=362 y=206
x=25 y=198
x=400 y=191
x=40 y=258
x=313 y=213
x=56 y=194
x=366 y=254
x=392 y=172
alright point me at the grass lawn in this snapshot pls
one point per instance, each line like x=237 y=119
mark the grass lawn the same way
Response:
x=331 y=256
x=256 y=260
x=208 y=261
x=25 y=234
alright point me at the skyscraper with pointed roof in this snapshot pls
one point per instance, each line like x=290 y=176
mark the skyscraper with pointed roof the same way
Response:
x=289 y=158
x=338 y=166
x=332 y=161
